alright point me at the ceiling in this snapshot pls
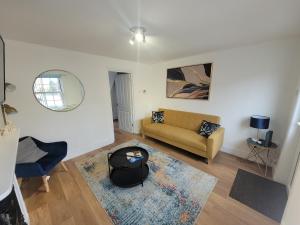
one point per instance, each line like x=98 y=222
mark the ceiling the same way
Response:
x=175 y=28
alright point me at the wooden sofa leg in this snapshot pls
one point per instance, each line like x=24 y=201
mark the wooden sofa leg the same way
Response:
x=207 y=161
x=143 y=136
x=45 y=181
x=64 y=166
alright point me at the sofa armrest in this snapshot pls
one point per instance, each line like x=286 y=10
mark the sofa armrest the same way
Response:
x=145 y=122
x=215 y=142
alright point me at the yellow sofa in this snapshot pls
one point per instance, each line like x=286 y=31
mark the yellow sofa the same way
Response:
x=181 y=130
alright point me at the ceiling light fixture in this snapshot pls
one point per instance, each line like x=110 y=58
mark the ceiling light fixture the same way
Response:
x=138 y=35
x=131 y=41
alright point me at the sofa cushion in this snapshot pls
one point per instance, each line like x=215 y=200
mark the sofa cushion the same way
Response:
x=177 y=134
x=207 y=128
x=158 y=116
x=187 y=120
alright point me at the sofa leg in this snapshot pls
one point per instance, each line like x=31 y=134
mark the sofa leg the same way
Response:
x=207 y=161
x=64 y=166
x=143 y=136
x=45 y=181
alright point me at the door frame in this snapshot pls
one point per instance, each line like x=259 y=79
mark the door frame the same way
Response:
x=132 y=109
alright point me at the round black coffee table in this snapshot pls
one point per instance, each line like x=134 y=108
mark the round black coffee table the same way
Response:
x=124 y=173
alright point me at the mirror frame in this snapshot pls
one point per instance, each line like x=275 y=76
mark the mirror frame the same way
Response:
x=65 y=71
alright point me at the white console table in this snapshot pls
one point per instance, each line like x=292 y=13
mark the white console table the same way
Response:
x=9 y=139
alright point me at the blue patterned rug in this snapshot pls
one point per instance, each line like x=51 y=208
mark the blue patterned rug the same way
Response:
x=174 y=192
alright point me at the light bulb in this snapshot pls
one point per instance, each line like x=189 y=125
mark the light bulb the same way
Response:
x=131 y=41
x=139 y=36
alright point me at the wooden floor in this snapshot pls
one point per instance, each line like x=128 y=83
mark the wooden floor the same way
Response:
x=70 y=201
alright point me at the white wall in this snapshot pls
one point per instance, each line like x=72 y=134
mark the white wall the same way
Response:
x=89 y=126
x=287 y=161
x=113 y=94
x=245 y=81
x=291 y=214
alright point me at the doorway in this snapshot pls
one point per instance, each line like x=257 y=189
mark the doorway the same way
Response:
x=121 y=100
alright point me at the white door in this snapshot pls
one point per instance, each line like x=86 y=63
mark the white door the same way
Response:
x=124 y=99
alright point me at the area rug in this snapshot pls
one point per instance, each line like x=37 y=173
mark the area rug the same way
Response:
x=261 y=194
x=174 y=192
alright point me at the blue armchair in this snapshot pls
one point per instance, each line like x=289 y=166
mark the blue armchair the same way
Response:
x=56 y=152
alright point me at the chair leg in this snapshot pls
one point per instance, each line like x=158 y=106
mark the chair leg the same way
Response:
x=64 y=166
x=20 y=179
x=45 y=181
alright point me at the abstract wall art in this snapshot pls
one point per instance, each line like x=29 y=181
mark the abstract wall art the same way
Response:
x=189 y=82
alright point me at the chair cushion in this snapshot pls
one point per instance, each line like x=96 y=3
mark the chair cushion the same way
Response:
x=50 y=161
x=177 y=134
x=28 y=152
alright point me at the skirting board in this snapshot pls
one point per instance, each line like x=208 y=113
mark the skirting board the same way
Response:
x=71 y=154
x=241 y=153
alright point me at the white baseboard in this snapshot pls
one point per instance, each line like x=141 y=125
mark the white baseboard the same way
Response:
x=242 y=153
x=72 y=154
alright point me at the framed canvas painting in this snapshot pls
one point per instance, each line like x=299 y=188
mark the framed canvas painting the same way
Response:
x=189 y=82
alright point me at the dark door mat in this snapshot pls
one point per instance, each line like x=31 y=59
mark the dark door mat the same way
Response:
x=263 y=195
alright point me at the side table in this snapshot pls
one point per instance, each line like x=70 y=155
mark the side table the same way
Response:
x=256 y=152
x=124 y=173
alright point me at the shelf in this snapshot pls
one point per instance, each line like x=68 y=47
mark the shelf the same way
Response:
x=129 y=177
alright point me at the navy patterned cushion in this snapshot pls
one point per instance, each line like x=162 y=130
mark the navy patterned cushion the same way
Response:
x=207 y=128
x=158 y=116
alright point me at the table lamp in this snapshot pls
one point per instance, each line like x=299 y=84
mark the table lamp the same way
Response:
x=259 y=122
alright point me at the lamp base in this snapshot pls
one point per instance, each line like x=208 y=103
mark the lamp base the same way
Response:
x=257 y=135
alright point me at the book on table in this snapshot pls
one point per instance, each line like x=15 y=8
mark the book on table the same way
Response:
x=134 y=156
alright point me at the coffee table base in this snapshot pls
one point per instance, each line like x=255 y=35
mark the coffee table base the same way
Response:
x=129 y=177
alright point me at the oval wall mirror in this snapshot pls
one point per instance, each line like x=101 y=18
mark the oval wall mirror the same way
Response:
x=58 y=90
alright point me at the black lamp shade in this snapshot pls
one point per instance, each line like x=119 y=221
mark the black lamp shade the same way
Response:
x=260 y=122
